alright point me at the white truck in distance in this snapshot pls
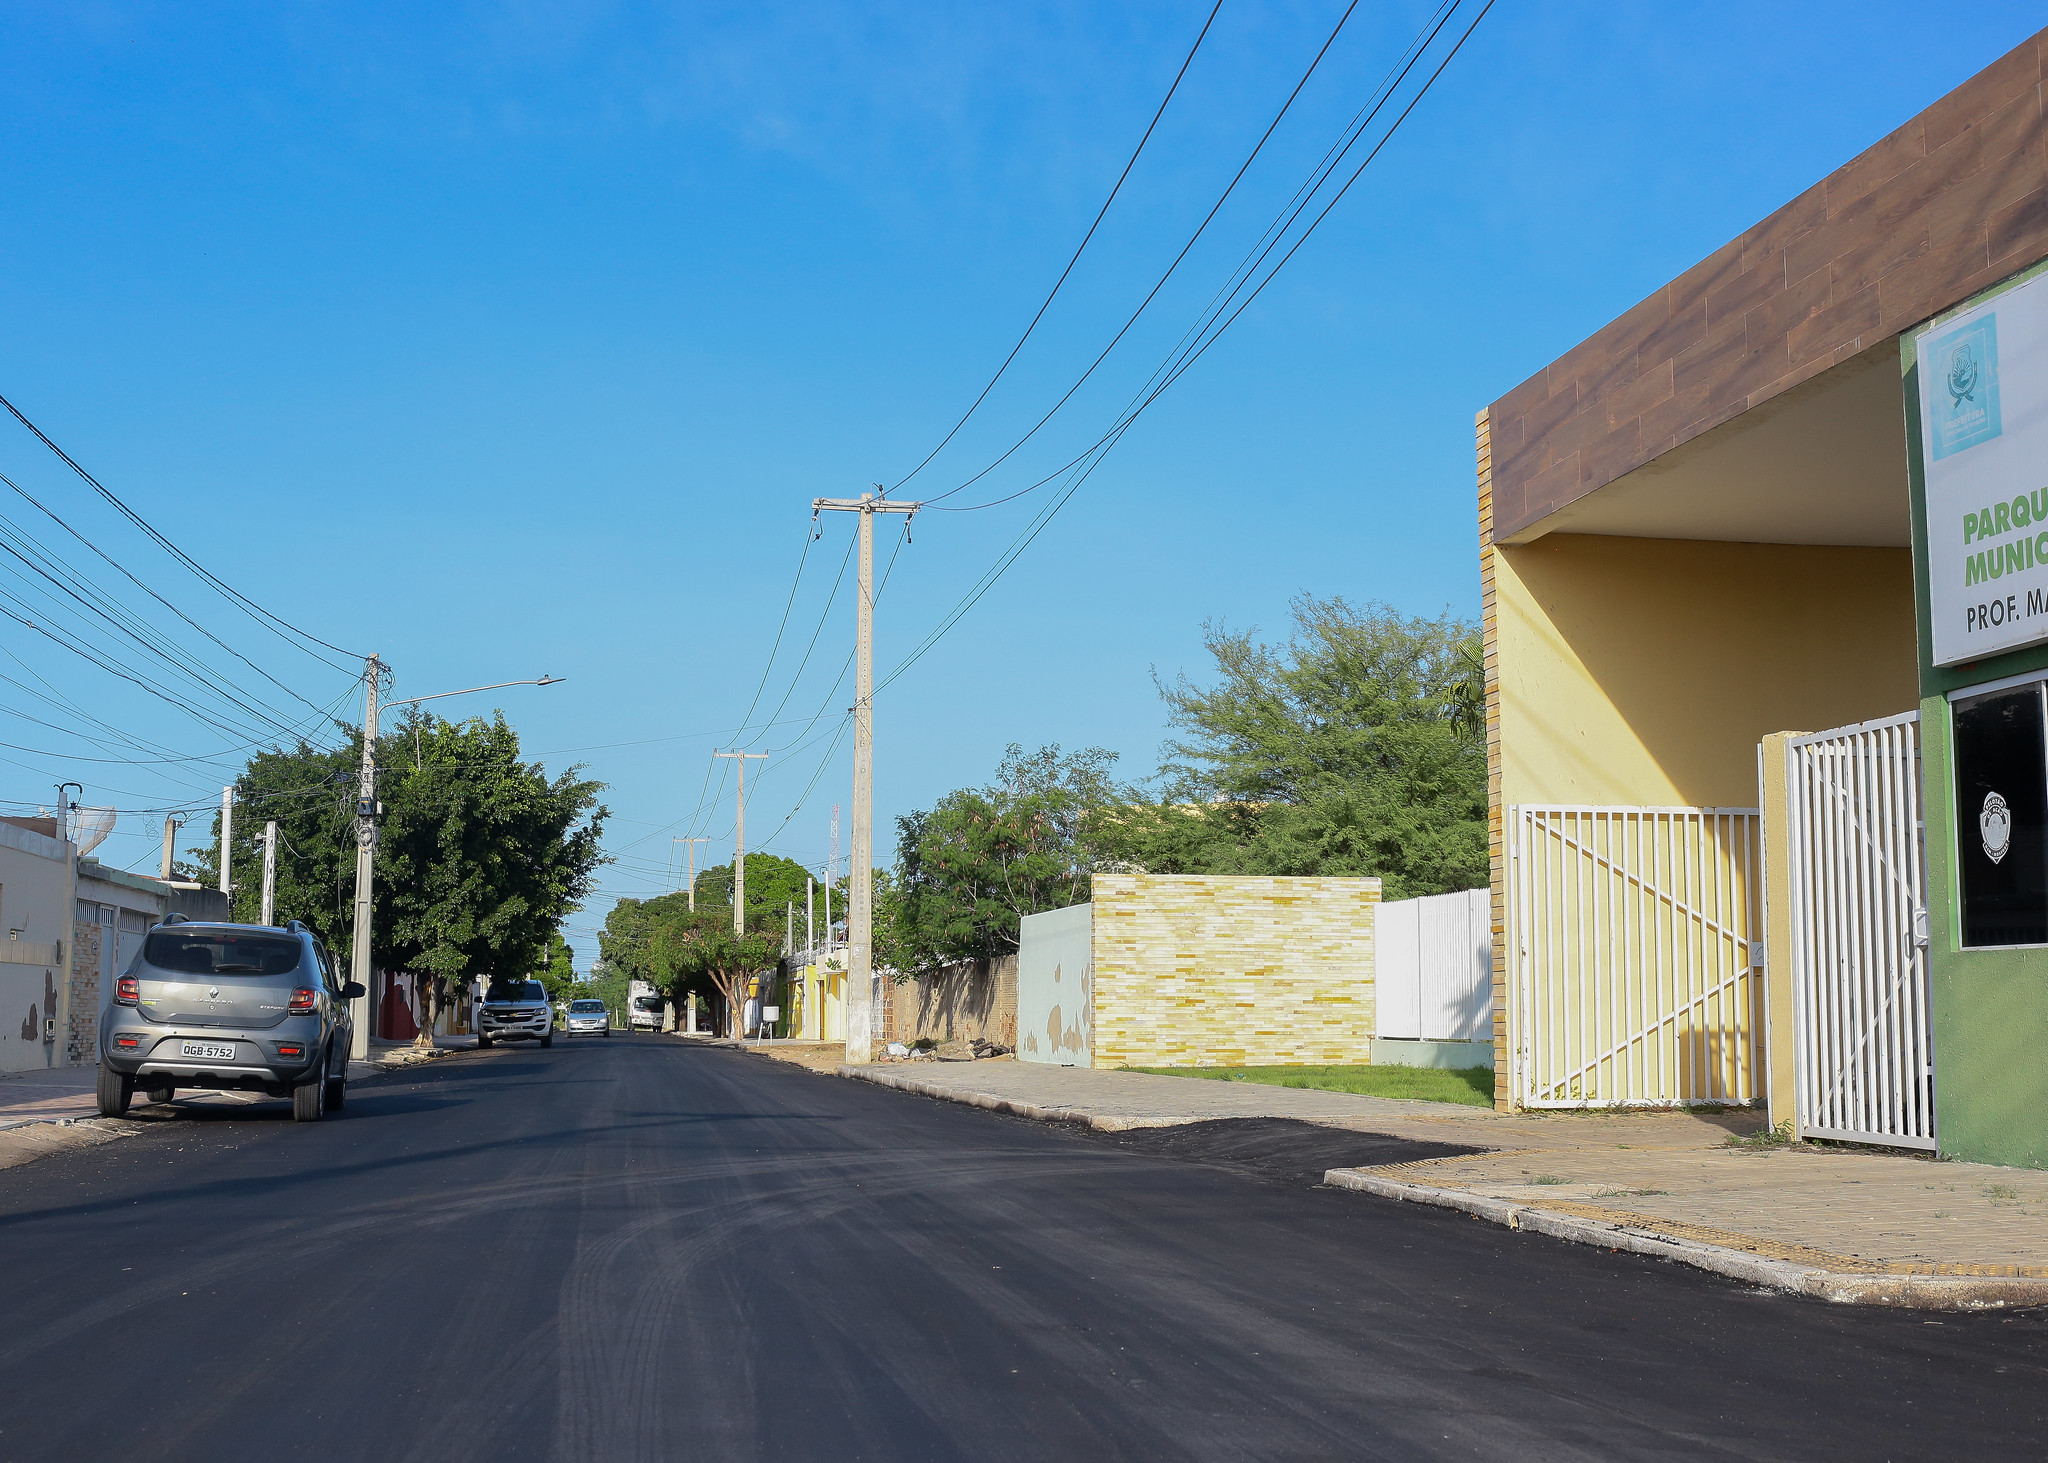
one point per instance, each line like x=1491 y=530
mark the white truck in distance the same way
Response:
x=643 y=1007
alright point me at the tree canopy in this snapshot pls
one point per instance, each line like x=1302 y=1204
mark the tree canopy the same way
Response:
x=1354 y=746
x=970 y=869
x=480 y=856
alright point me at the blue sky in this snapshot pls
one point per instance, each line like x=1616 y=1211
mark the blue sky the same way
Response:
x=515 y=338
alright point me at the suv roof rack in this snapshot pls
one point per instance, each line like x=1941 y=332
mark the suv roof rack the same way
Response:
x=296 y=927
x=174 y=918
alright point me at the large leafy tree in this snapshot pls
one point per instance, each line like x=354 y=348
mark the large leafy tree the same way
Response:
x=969 y=870
x=483 y=855
x=775 y=885
x=480 y=855
x=1352 y=747
x=700 y=951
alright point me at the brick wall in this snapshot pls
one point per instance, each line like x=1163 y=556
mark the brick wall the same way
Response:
x=956 y=1002
x=1201 y=970
x=1950 y=203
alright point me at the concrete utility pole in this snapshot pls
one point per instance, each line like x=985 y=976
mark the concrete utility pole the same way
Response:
x=227 y=842
x=739 y=846
x=810 y=915
x=269 y=874
x=692 y=885
x=860 y=911
x=366 y=847
x=171 y=826
x=61 y=1054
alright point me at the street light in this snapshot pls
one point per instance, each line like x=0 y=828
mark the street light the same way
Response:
x=367 y=808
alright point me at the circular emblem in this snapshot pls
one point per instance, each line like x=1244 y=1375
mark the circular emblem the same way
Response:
x=1994 y=824
x=1962 y=374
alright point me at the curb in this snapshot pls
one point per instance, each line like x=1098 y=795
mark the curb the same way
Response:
x=1015 y=1106
x=1922 y=1292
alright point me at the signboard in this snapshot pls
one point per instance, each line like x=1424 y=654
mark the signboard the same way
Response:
x=1984 y=461
x=2001 y=762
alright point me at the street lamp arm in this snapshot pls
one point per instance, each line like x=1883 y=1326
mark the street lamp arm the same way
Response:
x=471 y=690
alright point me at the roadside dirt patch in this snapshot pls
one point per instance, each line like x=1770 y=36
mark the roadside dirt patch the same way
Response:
x=1282 y=1150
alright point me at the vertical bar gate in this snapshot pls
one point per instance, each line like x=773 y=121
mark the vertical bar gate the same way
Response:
x=1635 y=943
x=1865 y=1065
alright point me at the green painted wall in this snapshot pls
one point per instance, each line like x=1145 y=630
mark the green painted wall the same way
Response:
x=1990 y=1006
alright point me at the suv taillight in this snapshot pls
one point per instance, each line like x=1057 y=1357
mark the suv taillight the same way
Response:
x=127 y=991
x=302 y=1001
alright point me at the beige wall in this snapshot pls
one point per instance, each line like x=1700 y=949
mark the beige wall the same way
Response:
x=1200 y=970
x=1645 y=671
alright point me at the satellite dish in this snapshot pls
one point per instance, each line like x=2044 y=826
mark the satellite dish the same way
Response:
x=90 y=827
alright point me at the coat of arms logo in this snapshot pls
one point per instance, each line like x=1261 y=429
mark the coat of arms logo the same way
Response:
x=1994 y=825
x=1962 y=374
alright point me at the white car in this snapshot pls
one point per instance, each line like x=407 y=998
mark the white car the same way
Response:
x=589 y=1018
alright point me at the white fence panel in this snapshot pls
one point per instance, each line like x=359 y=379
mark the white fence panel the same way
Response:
x=1433 y=967
x=1634 y=942
x=1859 y=934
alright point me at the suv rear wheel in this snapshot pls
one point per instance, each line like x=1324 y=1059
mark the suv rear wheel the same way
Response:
x=309 y=1101
x=116 y=1092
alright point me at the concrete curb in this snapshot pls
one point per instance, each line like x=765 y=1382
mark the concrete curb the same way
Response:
x=1922 y=1292
x=1101 y=1122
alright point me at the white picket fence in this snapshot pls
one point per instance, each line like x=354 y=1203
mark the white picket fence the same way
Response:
x=1433 y=967
x=1636 y=949
x=1859 y=935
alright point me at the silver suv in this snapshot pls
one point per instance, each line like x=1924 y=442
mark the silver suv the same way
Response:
x=245 y=1007
x=515 y=1010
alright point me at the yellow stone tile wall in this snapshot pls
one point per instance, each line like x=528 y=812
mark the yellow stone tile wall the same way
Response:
x=1199 y=970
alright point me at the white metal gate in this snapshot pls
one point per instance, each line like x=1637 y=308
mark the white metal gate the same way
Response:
x=1859 y=934
x=1634 y=933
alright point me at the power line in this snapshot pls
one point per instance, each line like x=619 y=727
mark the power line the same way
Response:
x=1168 y=273
x=1188 y=355
x=1054 y=291
x=275 y=623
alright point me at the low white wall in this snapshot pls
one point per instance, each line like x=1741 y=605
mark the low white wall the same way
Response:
x=1435 y=968
x=1056 y=987
x=33 y=921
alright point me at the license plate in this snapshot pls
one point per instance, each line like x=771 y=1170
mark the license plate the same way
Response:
x=208 y=1051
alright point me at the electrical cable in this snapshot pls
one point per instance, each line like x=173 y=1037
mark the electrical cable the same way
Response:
x=1100 y=214
x=249 y=606
x=1185 y=249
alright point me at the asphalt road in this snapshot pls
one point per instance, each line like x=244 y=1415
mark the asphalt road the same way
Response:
x=639 y=1250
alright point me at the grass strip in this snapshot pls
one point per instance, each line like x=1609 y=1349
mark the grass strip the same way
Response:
x=1472 y=1086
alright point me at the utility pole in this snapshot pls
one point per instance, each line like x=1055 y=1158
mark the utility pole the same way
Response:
x=739 y=847
x=61 y=1054
x=269 y=874
x=860 y=911
x=227 y=842
x=693 y=842
x=810 y=916
x=171 y=826
x=366 y=846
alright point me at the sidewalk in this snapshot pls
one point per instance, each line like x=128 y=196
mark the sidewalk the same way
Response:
x=69 y=1094
x=1844 y=1224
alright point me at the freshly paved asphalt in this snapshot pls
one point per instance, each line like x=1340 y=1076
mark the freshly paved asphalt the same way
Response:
x=639 y=1250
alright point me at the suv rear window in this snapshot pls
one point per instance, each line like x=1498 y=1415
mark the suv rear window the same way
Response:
x=221 y=952
x=516 y=990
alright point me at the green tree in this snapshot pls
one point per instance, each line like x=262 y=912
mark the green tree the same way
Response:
x=969 y=870
x=700 y=951
x=481 y=857
x=774 y=885
x=558 y=969
x=1353 y=747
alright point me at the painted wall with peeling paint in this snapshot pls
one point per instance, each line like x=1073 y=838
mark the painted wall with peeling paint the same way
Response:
x=1055 y=987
